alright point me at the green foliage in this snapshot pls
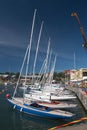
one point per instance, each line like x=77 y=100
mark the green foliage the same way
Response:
x=17 y=75
x=59 y=76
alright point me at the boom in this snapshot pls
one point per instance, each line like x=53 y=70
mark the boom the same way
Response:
x=81 y=29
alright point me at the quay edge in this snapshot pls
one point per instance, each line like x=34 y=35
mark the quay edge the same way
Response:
x=81 y=95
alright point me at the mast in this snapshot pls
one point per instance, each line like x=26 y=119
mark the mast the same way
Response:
x=49 y=61
x=74 y=61
x=48 y=49
x=46 y=62
x=52 y=70
x=26 y=54
x=32 y=29
x=39 y=37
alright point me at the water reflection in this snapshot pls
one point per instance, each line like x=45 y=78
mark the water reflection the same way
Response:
x=27 y=122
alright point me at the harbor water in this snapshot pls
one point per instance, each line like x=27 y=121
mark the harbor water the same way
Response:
x=13 y=120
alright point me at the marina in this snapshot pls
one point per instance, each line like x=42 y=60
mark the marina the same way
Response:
x=30 y=106
x=43 y=76
x=16 y=120
x=82 y=97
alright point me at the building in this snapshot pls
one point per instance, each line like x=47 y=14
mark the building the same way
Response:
x=78 y=75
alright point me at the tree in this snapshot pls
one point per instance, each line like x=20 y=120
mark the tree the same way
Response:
x=59 y=76
x=17 y=75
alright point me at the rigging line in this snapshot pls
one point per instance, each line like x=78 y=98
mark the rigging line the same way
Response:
x=28 y=49
x=41 y=71
x=20 y=72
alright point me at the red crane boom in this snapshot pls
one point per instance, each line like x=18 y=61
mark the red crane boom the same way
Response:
x=81 y=29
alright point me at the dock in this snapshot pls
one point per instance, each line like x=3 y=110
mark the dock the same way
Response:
x=78 y=127
x=82 y=97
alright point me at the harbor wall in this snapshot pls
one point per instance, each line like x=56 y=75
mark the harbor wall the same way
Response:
x=81 y=95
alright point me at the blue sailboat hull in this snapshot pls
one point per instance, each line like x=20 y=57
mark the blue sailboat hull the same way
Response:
x=29 y=110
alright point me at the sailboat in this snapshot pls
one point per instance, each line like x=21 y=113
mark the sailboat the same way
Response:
x=45 y=96
x=30 y=107
x=50 y=92
x=56 y=104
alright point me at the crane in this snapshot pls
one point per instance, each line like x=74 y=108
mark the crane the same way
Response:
x=81 y=29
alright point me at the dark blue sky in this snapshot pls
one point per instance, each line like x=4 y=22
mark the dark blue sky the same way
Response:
x=15 y=26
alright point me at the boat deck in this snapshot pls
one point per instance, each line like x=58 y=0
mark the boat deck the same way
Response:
x=19 y=101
